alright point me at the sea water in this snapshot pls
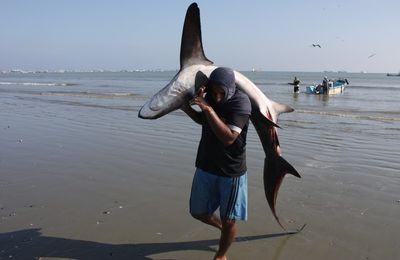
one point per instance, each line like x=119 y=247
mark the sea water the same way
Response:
x=359 y=128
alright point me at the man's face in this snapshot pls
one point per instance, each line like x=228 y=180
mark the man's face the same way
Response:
x=217 y=92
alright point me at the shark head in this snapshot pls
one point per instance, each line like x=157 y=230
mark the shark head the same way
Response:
x=179 y=90
x=165 y=100
x=192 y=60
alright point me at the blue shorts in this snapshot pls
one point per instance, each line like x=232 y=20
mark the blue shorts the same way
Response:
x=210 y=191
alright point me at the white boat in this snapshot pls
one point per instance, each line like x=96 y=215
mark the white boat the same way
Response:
x=331 y=88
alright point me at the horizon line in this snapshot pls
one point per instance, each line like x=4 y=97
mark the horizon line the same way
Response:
x=23 y=71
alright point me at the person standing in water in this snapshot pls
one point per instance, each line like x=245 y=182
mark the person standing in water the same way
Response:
x=296 y=84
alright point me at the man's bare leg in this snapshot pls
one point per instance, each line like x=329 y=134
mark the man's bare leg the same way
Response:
x=212 y=220
x=228 y=233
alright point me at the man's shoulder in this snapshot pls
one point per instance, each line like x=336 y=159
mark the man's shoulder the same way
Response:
x=240 y=95
x=240 y=103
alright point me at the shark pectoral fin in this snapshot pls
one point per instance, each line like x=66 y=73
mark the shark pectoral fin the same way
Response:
x=200 y=80
x=275 y=169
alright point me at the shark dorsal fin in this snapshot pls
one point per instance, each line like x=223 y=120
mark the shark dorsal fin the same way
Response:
x=191 y=45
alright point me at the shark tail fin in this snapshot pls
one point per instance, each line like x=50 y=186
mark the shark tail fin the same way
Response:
x=275 y=169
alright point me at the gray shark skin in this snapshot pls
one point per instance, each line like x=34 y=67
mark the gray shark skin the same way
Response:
x=264 y=114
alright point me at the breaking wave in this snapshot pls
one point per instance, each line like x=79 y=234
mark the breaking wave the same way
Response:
x=387 y=116
x=390 y=88
x=73 y=93
x=49 y=84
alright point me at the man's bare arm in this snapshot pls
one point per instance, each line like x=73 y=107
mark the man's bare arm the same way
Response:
x=193 y=114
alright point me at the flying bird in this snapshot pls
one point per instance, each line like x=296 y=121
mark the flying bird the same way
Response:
x=372 y=55
x=316 y=45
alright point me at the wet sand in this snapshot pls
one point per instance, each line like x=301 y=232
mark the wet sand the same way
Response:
x=90 y=183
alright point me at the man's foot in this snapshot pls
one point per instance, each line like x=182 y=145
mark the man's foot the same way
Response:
x=220 y=258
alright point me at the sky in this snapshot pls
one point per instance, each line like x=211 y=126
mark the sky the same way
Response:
x=262 y=34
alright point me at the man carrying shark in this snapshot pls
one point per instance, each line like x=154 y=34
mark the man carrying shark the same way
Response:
x=220 y=180
x=227 y=100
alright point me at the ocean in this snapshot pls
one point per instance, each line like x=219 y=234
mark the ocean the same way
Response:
x=359 y=128
x=79 y=133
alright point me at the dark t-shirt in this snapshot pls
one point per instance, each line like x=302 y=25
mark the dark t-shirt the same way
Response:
x=212 y=155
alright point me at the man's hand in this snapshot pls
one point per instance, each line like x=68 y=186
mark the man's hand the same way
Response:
x=193 y=114
x=199 y=99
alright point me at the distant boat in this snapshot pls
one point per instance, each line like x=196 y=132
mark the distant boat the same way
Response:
x=333 y=87
x=393 y=74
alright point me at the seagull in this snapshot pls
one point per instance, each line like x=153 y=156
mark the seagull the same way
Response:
x=372 y=55
x=316 y=45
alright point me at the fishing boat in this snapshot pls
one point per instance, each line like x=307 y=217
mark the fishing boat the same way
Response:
x=330 y=87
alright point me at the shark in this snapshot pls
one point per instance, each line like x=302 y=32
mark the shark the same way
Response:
x=265 y=112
